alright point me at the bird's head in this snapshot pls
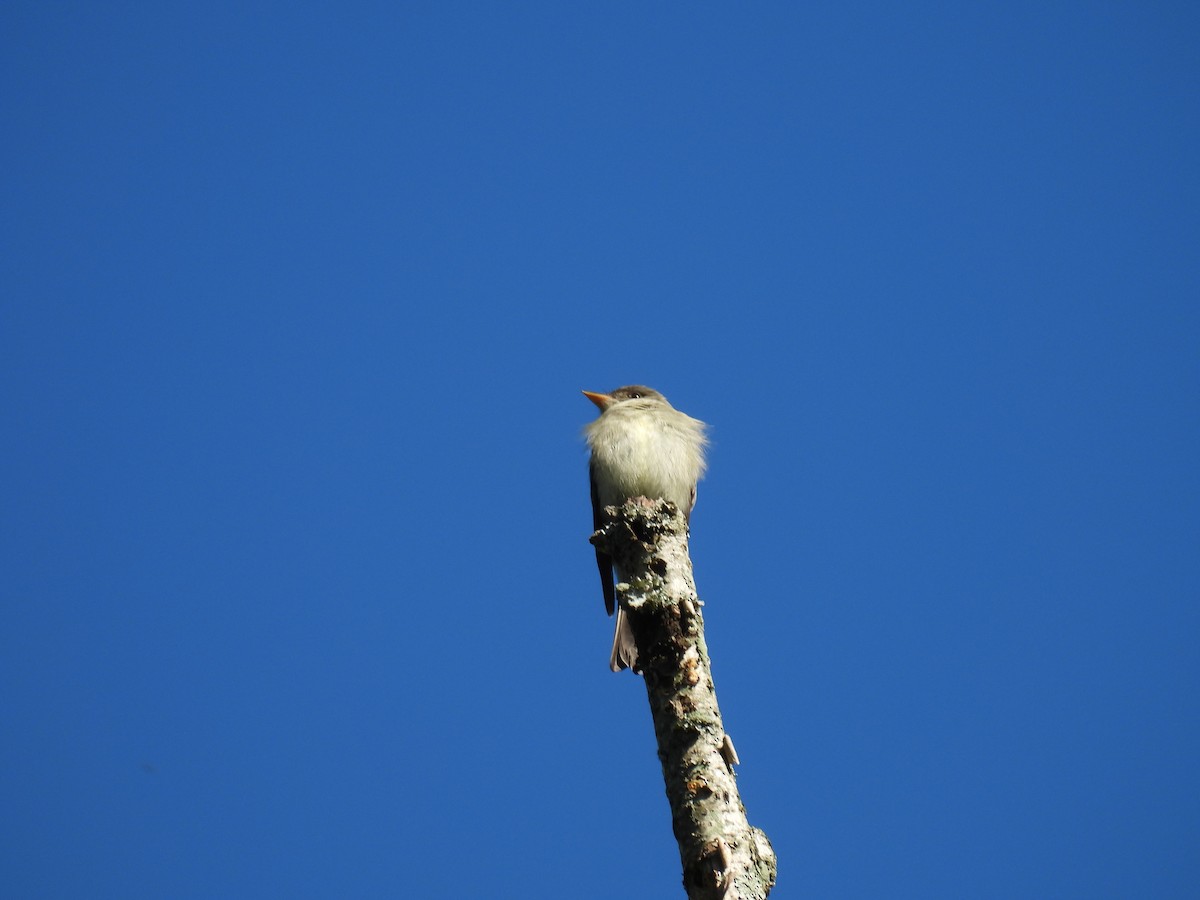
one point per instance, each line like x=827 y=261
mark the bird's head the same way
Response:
x=629 y=394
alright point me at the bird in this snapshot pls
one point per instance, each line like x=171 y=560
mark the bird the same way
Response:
x=641 y=446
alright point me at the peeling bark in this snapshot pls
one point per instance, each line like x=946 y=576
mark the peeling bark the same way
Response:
x=723 y=856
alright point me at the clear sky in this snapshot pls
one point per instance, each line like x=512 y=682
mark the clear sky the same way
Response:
x=296 y=302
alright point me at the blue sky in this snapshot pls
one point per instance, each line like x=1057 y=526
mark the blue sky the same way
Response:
x=297 y=303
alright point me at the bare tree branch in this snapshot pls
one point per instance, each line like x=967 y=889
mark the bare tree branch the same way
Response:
x=723 y=855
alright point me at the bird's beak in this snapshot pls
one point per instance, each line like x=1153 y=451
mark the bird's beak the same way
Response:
x=601 y=400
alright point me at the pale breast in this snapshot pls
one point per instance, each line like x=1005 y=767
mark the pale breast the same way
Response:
x=640 y=455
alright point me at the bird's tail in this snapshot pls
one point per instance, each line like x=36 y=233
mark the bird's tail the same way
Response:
x=624 y=650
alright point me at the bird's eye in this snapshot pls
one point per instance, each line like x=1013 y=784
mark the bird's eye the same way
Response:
x=634 y=395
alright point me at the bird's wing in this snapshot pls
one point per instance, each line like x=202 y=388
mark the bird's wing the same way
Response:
x=603 y=560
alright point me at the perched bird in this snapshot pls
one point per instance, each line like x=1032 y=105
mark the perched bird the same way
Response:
x=641 y=447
